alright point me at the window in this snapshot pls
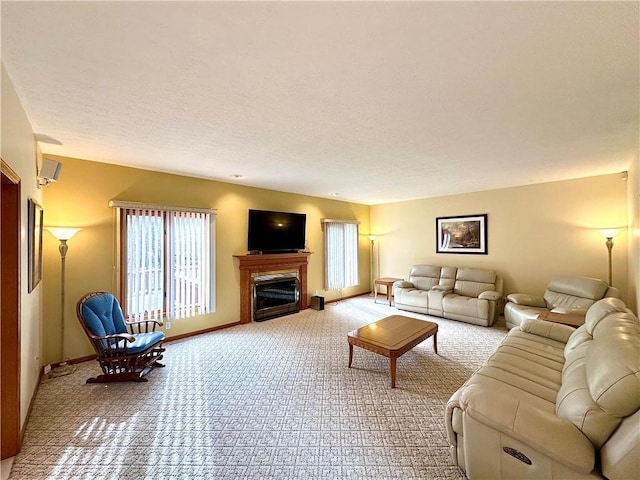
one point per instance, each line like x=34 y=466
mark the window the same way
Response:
x=166 y=260
x=341 y=254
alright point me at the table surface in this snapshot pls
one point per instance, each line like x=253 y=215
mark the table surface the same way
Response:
x=394 y=332
x=571 y=319
x=386 y=280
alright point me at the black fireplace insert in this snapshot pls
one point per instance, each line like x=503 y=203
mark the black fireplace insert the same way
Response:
x=275 y=296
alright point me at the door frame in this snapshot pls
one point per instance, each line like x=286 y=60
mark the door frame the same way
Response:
x=10 y=281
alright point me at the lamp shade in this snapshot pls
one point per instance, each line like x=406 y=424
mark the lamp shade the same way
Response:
x=610 y=232
x=63 y=233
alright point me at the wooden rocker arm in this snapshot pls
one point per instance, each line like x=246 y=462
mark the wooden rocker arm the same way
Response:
x=118 y=336
x=105 y=344
x=142 y=326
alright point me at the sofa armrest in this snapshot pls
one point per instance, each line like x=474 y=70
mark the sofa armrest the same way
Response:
x=491 y=295
x=545 y=432
x=402 y=284
x=528 y=300
x=442 y=288
x=542 y=328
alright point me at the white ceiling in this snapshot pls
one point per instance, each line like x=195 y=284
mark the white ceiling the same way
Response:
x=377 y=102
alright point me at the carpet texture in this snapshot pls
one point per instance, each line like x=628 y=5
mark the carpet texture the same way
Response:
x=272 y=400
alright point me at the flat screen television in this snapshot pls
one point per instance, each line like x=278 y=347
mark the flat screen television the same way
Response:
x=276 y=232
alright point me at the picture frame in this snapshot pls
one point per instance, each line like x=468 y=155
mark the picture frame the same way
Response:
x=35 y=219
x=462 y=234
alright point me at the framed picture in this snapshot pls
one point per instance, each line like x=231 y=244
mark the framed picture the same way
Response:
x=462 y=234
x=35 y=217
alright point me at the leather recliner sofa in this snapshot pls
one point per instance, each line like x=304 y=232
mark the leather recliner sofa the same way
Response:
x=467 y=294
x=554 y=402
x=564 y=294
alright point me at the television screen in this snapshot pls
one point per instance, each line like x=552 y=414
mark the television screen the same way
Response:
x=276 y=232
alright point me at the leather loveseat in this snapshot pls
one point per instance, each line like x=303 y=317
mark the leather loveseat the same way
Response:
x=467 y=294
x=554 y=402
x=564 y=294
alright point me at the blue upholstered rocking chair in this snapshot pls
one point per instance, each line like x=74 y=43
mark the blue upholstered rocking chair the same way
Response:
x=127 y=351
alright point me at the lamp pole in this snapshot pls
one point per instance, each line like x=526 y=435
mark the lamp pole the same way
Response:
x=372 y=238
x=609 y=244
x=609 y=234
x=63 y=247
x=62 y=234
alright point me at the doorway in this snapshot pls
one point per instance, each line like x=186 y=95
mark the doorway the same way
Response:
x=10 y=215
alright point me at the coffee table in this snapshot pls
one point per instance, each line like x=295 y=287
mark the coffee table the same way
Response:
x=392 y=337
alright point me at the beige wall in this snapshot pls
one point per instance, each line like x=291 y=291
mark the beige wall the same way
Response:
x=534 y=232
x=80 y=198
x=19 y=152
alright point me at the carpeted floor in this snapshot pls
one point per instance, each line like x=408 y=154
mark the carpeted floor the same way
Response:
x=272 y=400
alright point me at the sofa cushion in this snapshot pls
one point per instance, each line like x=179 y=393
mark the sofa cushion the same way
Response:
x=528 y=367
x=461 y=307
x=471 y=282
x=448 y=276
x=413 y=297
x=569 y=292
x=424 y=277
x=601 y=377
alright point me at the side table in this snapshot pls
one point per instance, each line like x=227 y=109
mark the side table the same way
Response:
x=571 y=319
x=387 y=282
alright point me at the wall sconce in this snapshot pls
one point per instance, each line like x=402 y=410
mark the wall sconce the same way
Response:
x=372 y=238
x=609 y=234
x=62 y=234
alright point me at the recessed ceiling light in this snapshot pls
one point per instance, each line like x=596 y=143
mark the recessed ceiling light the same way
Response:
x=236 y=176
x=334 y=194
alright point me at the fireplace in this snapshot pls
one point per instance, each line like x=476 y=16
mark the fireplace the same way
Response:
x=275 y=294
x=252 y=266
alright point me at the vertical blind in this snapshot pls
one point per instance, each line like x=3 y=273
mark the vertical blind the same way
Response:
x=144 y=264
x=341 y=254
x=189 y=250
x=166 y=261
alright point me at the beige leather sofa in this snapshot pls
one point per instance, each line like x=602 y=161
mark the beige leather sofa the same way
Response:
x=468 y=294
x=564 y=294
x=554 y=402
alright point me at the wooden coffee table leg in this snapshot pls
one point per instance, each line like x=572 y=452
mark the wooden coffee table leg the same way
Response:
x=435 y=343
x=350 y=354
x=392 y=366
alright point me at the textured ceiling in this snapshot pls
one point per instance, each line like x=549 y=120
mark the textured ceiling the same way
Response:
x=377 y=102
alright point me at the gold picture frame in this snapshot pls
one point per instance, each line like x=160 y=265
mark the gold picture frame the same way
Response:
x=35 y=218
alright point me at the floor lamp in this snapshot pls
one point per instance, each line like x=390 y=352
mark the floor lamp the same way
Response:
x=372 y=238
x=62 y=234
x=609 y=234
